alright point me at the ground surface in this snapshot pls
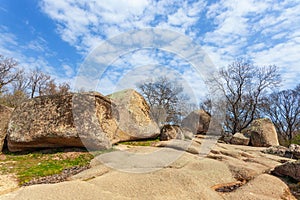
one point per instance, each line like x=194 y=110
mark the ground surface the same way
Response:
x=228 y=172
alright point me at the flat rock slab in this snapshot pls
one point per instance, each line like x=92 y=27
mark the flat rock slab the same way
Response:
x=263 y=187
x=133 y=174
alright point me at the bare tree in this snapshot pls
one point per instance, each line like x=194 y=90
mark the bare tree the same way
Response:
x=206 y=105
x=38 y=82
x=21 y=83
x=243 y=86
x=283 y=108
x=52 y=88
x=8 y=71
x=165 y=98
x=64 y=88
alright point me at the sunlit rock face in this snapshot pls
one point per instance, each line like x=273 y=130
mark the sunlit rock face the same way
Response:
x=5 y=113
x=57 y=121
x=262 y=133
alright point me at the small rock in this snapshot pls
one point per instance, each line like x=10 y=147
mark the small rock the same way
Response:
x=197 y=122
x=295 y=150
x=169 y=132
x=240 y=139
x=291 y=169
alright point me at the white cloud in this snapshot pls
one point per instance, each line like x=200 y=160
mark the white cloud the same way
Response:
x=12 y=47
x=265 y=31
x=84 y=24
x=68 y=70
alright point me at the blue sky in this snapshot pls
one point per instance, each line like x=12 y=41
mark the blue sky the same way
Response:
x=57 y=35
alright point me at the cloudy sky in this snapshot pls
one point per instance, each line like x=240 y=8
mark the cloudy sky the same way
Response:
x=59 y=35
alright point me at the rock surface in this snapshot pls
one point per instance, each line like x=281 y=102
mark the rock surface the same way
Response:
x=197 y=122
x=134 y=116
x=292 y=152
x=77 y=120
x=239 y=139
x=291 y=169
x=5 y=113
x=187 y=134
x=184 y=145
x=262 y=187
x=169 y=132
x=192 y=177
x=278 y=150
x=262 y=133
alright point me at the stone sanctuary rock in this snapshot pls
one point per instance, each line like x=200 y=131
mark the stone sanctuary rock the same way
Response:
x=5 y=113
x=88 y=120
x=262 y=133
x=134 y=116
x=197 y=122
x=77 y=120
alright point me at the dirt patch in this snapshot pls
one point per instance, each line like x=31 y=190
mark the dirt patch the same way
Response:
x=8 y=183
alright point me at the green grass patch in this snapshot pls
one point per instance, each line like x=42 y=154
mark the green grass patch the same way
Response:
x=148 y=142
x=36 y=164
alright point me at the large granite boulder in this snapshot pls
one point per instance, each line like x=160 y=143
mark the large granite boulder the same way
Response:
x=197 y=122
x=291 y=169
x=77 y=120
x=88 y=120
x=134 y=115
x=262 y=133
x=5 y=113
x=239 y=139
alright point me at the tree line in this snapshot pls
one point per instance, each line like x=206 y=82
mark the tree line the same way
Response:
x=17 y=85
x=252 y=92
x=249 y=91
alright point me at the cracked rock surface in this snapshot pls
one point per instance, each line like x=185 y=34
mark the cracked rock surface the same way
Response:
x=242 y=169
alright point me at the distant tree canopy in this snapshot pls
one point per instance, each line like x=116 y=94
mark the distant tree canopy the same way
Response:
x=16 y=85
x=166 y=99
x=248 y=91
x=243 y=86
